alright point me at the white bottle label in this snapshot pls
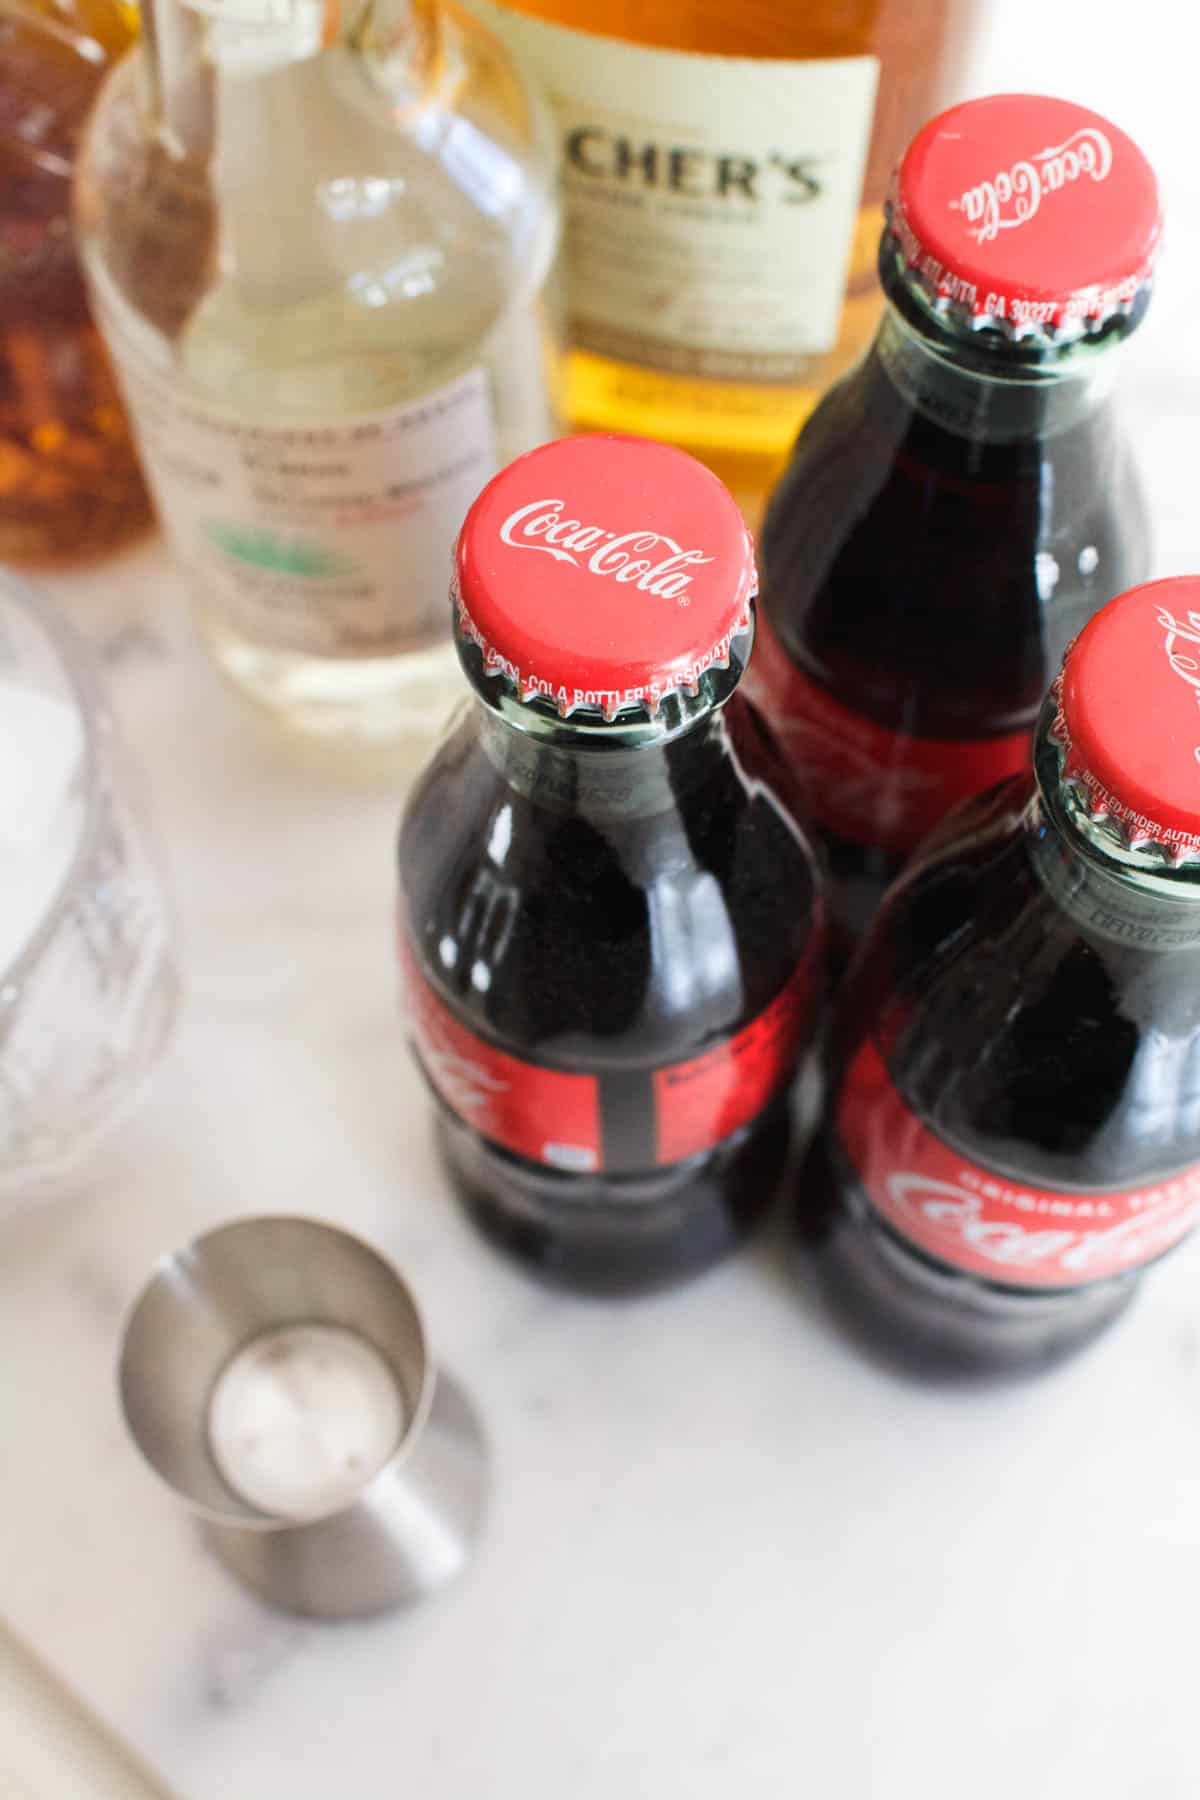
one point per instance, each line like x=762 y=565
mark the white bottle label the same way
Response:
x=711 y=199
x=328 y=539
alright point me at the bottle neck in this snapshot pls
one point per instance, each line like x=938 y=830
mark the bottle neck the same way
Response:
x=188 y=54
x=1113 y=893
x=982 y=400
x=1105 y=901
x=615 y=775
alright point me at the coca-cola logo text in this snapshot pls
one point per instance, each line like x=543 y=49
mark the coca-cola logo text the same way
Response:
x=1073 y=1251
x=467 y=1085
x=1013 y=196
x=651 y=560
x=1185 y=664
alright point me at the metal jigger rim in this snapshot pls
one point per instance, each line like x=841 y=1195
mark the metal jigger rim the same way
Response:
x=254 y=1519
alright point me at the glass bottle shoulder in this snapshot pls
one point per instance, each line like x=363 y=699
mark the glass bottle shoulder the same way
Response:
x=938 y=578
x=608 y=933
x=324 y=243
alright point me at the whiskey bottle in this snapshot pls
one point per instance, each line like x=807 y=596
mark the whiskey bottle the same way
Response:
x=70 y=487
x=725 y=172
x=319 y=240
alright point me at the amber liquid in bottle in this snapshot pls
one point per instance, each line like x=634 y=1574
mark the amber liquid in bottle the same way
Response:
x=70 y=485
x=743 y=428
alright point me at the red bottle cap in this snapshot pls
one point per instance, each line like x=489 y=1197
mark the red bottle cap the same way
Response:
x=1129 y=715
x=1027 y=212
x=604 y=573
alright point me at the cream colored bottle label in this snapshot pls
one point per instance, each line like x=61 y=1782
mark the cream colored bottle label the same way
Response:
x=711 y=199
x=331 y=538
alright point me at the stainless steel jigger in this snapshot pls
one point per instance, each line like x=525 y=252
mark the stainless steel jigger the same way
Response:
x=275 y=1374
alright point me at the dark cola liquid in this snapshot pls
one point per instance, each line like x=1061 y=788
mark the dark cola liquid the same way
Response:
x=931 y=580
x=613 y=941
x=1048 y=1055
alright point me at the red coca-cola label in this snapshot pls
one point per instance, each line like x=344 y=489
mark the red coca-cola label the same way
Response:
x=551 y=1116
x=883 y=789
x=973 y=1219
x=701 y=1101
x=610 y=1121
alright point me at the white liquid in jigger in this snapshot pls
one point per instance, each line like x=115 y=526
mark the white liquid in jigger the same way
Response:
x=302 y=1418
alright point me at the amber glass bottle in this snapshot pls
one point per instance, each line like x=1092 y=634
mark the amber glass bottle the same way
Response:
x=725 y=170
x=69 y=480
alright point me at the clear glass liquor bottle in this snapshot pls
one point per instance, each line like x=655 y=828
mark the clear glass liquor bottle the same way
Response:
x=320 y=241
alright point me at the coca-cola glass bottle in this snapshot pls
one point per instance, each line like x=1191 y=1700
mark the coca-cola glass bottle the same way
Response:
x=611 y=924
x=1013 y=1129
x=961 y=503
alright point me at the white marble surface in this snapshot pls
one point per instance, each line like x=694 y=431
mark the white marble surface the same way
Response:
x=724 y=1555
